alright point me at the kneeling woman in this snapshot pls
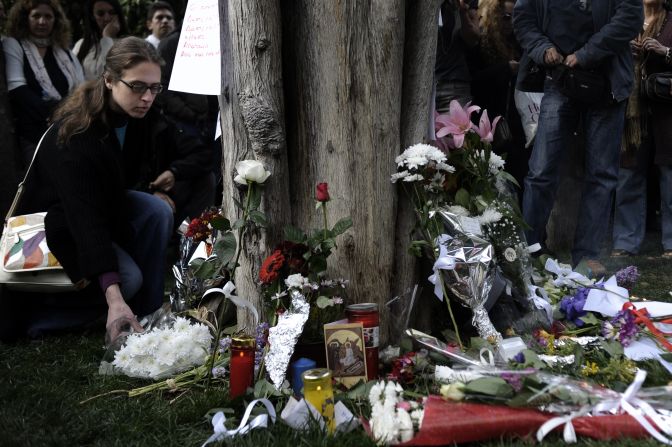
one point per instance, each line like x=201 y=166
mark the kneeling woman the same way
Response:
x=110 y=239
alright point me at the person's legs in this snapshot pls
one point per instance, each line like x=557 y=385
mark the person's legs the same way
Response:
x=131 y=276
x=603 y=127
x=666 y=205
x=152 y=224
x=557 y=119
x=630 y=204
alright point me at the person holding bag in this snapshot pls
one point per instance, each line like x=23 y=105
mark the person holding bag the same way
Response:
x=648 y=130
x=108 y=237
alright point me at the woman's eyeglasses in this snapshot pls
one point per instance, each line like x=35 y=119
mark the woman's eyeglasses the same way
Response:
x=141 y=87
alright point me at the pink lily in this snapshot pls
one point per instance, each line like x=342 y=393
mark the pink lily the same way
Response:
x=485 y=129
x=456 y=123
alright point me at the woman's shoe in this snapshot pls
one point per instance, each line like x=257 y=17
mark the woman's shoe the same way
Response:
x=620 y=253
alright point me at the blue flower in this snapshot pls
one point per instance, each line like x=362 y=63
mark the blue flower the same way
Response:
x=572 y=306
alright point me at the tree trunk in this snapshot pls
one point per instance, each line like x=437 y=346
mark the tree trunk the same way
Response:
x=8 y=148
x=357 y=79
x=253 y=126
x=419 y=60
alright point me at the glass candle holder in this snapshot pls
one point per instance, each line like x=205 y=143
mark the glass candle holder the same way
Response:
x=242 y=365
x=367 y=314
x=298 y=368
x=318 y=392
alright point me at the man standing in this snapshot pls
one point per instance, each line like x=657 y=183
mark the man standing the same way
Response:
x=160 y=21
x=588 y=35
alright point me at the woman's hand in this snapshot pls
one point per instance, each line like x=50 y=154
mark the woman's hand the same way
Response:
x=118 y=312
x=112 y=28
x=653 y=46
x=164 y=182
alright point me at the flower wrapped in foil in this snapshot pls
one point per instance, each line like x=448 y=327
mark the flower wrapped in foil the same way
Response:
x=282 y=338
x=467 y=262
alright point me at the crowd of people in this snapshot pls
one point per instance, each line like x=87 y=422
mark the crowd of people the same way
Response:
x=120 y=150
x=490 y=51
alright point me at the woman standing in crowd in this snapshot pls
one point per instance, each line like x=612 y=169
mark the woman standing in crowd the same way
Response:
x=103 y=22
x=110 y=238
x=647 y=135
x=40 y=68
x=494 y=68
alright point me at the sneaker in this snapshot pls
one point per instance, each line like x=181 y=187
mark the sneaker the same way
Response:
x=596 y=268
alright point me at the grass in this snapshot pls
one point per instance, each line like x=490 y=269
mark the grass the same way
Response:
x=44 y=381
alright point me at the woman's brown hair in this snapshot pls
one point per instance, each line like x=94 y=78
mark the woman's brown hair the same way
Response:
x=17 y=21
x=497 y=46
x=91 y=101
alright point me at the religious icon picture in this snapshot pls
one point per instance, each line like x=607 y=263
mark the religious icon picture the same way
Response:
x=345 y=352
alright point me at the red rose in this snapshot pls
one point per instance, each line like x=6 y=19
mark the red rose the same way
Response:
x=322 y=192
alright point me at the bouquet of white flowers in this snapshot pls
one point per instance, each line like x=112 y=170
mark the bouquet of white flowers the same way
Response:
x=162 y=352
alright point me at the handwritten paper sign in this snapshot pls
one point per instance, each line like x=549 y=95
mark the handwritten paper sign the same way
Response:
x=197 y=67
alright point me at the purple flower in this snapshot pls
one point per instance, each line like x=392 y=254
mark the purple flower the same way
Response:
x=261 y=344
x=224 y=344
x=515 y=380
x=572 y=306
x=218 y=372
x=627 y=277
x=519 y=358
x=622 y=328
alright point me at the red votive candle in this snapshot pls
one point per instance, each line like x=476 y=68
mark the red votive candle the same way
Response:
x=242 y=365
x=367 y=314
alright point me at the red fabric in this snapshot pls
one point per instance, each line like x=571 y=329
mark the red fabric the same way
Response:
x=448 y=423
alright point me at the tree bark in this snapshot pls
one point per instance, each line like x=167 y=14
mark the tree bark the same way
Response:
x=418 y=78
x=252 y=120
x=8 y=148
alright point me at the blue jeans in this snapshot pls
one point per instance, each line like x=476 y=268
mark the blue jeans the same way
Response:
x=630 y=203
x=141 y=269
x=603 y=126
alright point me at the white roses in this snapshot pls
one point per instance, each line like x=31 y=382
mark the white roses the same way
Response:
x=250 y=171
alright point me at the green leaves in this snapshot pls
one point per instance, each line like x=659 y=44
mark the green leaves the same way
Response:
x=489 y=386
x=341 y=227
x=220 y=223
x=293 y=234
x=259 y=218
x=225 y=247
x=591 y=319
x=462 y=198
x=203 y=269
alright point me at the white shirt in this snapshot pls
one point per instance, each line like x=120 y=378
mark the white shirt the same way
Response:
x=153 y=40
x=94 y=62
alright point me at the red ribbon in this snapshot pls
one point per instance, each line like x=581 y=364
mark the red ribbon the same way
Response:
x=642 y=316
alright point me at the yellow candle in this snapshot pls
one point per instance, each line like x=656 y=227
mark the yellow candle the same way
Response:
x=318 y=392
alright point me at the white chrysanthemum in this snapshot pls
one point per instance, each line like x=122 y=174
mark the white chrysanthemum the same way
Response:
x=405 y=425
x=414 y=178
x=398 y=176
x=489 y=216
x=420 y=155
x=495 y=163
x=445 y=167
x=458 y=210
x=296 y=281
x=436 y=184
x=417 y=416
x=162 y=352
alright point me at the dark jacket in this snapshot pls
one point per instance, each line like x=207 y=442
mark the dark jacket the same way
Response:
x=660 y=123
x=616 y=22
x=82 y=186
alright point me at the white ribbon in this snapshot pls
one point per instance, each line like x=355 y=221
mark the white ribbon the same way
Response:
x=260 y=421
x=444 y=262
x=534 y=248
x=568 y=433
x=565 y=275
x=227 y=291
x=540 y=302
x=635 y=407
x=638 y=409
x=490 y=361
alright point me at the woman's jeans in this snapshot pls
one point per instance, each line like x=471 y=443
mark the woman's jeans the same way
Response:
x=141 y=269
x=630 y=208
x=603 y=126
